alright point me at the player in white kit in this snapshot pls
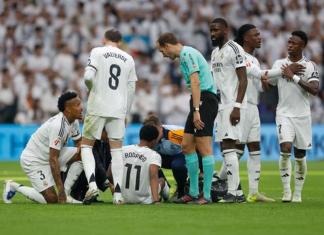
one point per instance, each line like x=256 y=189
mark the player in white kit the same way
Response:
x=110 y=76
x=45 y=156
x=141 y=182
x=229 y=71
x=293 y=115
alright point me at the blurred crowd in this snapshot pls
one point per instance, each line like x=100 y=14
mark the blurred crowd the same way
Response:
x=44 y=46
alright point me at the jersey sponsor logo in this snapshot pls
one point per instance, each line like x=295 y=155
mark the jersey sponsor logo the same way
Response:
x=315 y=74
x=57 y=141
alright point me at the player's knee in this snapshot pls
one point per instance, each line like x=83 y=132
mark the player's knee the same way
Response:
x=299 y=153
x=253 y=146
x=50 y=197
x=285 y=147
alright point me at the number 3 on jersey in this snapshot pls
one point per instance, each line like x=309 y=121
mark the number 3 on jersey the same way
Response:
x=113 y=80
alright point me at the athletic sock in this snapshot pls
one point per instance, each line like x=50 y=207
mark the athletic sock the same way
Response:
x=117 y=168
x=193 y=168
x=300 y=174
x=232 y=164
x=285 y=170
x=222 y=174
x=73 y=174
x=31 y=194
x=89 y=165
x=208 y=167
x=254 y=169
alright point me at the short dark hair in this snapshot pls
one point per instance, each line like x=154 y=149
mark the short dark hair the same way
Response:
x=152 y=120
x=113 y=35
x=167 y=38
x=221 y=21
x=66 y=96
x=242 y=31
x=149 y=133
x=301 y=34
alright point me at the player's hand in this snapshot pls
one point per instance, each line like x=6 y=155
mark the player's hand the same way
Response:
x=61 y=197
x=286 y=71
x=297 y=69
x=265 y=81
x=235 y=116
x=197 y=121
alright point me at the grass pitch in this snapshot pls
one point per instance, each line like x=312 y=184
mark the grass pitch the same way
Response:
x=26 y=217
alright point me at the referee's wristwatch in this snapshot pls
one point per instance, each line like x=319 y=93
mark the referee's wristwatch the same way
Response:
x=196 y=109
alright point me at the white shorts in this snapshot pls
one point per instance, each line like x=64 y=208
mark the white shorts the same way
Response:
x=40 y=174
x=94 y=125
x=225 y=129
x=296 y=130
x=251 y=125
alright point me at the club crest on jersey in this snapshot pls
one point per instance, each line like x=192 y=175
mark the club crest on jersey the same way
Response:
x=239 y=59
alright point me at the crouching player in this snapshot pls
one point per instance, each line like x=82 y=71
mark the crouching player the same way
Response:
x=141 y=181
x=45 y=156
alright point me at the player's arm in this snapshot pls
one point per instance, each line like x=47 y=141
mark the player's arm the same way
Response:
x=91 y=69
x=55 y=168
x=131 y=86
x=311 y=86
x=154 y=182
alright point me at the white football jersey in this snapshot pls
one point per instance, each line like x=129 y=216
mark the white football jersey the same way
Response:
x=54 y=133
x=136 y=180
x=253 y=72
x=293 y=99
x=114 y=69
x=224 y=62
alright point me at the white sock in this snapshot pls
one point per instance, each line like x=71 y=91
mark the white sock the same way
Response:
x=31 y=194
x=222 y=174
x=73 y=174
x=232 y=165
x=285 y=170
x=300 y=174
x=117 y=166
x=239 y=191
x=254 y=169
x=89 y=165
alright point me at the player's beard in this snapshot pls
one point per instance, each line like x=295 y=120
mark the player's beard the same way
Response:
x=217 y=41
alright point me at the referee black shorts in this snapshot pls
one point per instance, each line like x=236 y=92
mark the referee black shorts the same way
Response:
x=208 y=110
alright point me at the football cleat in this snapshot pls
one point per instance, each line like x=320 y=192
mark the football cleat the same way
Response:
x=297 y=198
x=90 y=195
x=259 y=197
x=240 y=199
x=228 y=198
x=202 y=201
x=118 y=199
x=71 y=200
x=286 y=197
x=185 y=199
x=8 y=193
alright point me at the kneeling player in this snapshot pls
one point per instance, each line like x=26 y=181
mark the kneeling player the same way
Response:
x=45 y=157
x=141 y=182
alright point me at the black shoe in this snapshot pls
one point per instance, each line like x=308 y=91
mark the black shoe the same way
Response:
x=240 y=199
x=228 y=198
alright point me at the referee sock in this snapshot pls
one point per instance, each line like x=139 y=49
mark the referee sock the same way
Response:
x=254 y=169
x=117 y=168
x=285 y=170
x=193 y=168
x=31 y=194
x=89 y=165
x=208 y=167
x=73 y=174
x=232 y=164
x=300 y=174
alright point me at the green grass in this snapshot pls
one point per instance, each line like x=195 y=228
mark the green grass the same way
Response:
x=25 y=217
